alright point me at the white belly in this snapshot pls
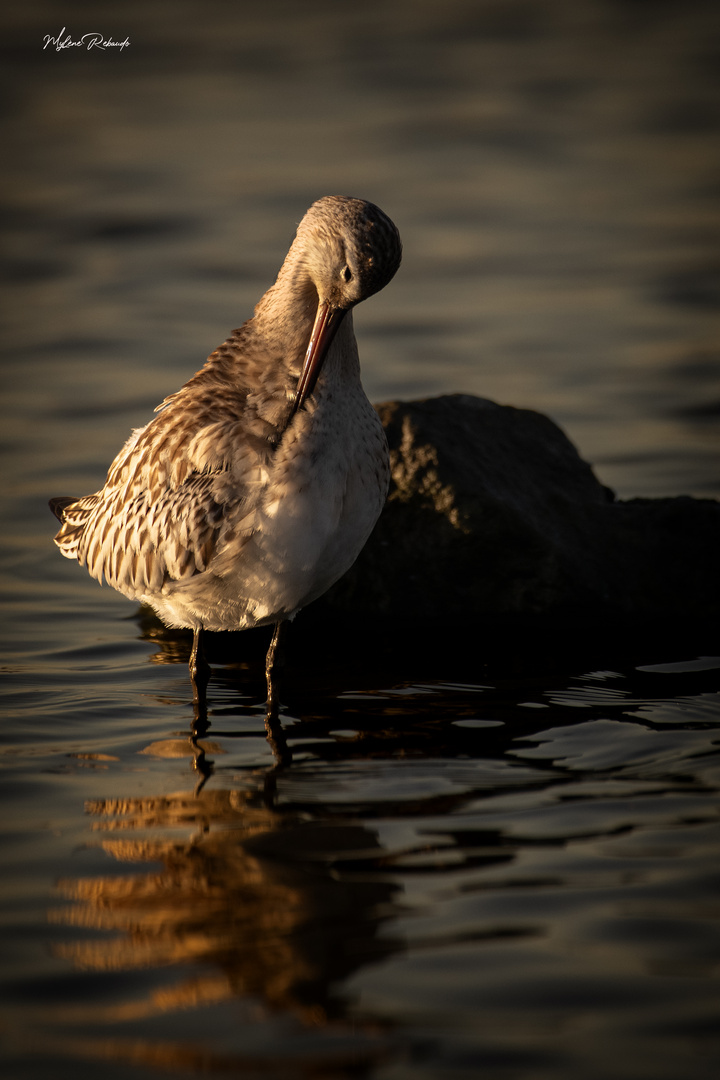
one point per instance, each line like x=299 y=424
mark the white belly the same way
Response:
x=314 y=511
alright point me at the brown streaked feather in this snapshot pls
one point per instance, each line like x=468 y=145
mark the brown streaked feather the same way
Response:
x=58 y=504
x=177 y=484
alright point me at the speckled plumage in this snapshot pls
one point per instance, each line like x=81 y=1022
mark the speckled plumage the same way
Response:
x=255 y=487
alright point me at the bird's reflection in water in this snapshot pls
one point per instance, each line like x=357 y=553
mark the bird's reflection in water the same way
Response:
x=253 y=897
x=261 y=890
x=253 y=894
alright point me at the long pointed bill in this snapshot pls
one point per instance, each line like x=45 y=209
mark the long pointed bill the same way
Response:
x=324 y=330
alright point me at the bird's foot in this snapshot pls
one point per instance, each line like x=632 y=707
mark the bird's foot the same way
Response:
x=276 y=739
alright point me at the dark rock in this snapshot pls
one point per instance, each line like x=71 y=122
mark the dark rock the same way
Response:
x=492 y=513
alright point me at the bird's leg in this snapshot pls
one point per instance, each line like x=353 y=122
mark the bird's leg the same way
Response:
x=199 y=669
x=199 y=676
x=274 y=663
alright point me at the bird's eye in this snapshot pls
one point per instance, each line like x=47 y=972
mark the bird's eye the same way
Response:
x=346 y=274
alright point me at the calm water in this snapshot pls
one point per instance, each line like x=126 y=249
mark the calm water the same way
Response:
x=492 y=857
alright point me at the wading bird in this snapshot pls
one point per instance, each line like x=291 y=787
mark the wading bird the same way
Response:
x=256 y=485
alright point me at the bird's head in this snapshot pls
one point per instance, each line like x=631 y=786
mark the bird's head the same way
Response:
x=351 y=249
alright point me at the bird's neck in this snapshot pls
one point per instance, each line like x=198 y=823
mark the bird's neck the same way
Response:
x=284 y=316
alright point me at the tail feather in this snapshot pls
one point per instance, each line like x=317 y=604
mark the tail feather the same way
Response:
x=73 y=523
x=58 y=506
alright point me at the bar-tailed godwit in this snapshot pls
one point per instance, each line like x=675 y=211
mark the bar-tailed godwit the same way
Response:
x=256 y=485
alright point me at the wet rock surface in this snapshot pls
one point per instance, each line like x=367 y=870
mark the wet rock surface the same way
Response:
x=492 y=512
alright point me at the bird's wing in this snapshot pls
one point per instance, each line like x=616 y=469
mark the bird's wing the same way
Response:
x=179 y=491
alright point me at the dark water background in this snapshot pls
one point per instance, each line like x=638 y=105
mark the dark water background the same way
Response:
x=497 y=861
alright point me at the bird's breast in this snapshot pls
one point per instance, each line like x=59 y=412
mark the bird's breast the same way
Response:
x=322 y=494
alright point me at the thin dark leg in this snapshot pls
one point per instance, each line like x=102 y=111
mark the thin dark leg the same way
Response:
x=199 y=669
x=274 y=663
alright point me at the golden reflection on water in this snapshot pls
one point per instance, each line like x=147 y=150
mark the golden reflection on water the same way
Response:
x=235 y=895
